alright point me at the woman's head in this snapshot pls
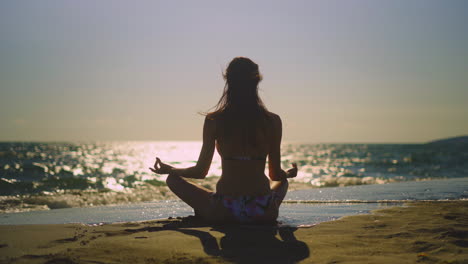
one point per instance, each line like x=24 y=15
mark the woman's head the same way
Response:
x=241 y=89
x=242 y=72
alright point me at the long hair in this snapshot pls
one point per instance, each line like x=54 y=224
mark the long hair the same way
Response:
x=240 y=107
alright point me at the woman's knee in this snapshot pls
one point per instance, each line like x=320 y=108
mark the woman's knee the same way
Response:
x=172 y=179
x=280 y=186
x=285 y=184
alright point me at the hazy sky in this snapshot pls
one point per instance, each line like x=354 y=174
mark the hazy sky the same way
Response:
x=335 y=71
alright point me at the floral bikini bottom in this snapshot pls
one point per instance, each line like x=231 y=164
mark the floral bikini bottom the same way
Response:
x=246 y=208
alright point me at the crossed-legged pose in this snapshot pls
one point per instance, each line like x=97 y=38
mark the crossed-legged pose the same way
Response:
x=245 y=134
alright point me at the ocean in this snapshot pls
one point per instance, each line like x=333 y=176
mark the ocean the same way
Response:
x=51 y=175
x=301 y=207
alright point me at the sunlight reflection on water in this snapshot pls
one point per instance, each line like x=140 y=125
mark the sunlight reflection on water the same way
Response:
x=34 y=167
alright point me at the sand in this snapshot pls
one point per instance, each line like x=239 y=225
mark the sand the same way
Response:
x=430 y=232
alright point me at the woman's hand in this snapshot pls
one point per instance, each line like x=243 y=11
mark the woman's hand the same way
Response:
x=293 y=171
x=161 y=168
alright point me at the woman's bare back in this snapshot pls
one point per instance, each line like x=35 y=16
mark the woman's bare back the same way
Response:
x=243 y=165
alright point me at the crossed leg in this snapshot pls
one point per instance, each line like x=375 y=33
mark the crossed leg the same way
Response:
x=200 y=199
x=195 y=196
x=280 y=188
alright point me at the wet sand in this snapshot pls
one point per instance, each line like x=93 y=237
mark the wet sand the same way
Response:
x=430 y=232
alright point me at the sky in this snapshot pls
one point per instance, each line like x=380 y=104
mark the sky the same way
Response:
x=335 y=71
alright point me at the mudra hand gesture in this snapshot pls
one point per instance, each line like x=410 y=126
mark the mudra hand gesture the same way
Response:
x=291 y=173
x=160 y=167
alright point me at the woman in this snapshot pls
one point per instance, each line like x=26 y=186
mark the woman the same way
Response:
x=244 y=133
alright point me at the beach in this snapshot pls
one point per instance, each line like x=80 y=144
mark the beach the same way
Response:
x=426 y=232
x=79 y=204
x=109 y=106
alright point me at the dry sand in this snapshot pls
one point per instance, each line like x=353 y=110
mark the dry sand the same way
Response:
x=432 y=232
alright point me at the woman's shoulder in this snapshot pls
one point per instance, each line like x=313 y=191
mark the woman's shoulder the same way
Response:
x=275 y=118
x=218 y=115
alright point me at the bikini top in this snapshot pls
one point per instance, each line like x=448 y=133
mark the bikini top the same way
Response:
x=244 y=158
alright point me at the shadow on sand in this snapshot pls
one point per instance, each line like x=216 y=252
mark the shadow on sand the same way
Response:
x=241 y=243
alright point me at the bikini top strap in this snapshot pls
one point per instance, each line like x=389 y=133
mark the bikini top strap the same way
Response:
x=244 y=158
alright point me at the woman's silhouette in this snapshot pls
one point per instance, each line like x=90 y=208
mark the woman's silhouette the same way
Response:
x=245 y=134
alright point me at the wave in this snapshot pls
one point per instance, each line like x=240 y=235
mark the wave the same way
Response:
x=36 y=176
x=369 y=201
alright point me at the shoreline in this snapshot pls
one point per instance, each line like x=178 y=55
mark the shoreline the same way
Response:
x=91 y=198
x=152 y=193
x=435 y=232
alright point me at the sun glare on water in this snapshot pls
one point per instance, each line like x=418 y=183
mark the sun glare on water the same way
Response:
x=181 y=154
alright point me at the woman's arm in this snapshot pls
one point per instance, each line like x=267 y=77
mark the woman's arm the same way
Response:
x=200 y=170
x=274 y=156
